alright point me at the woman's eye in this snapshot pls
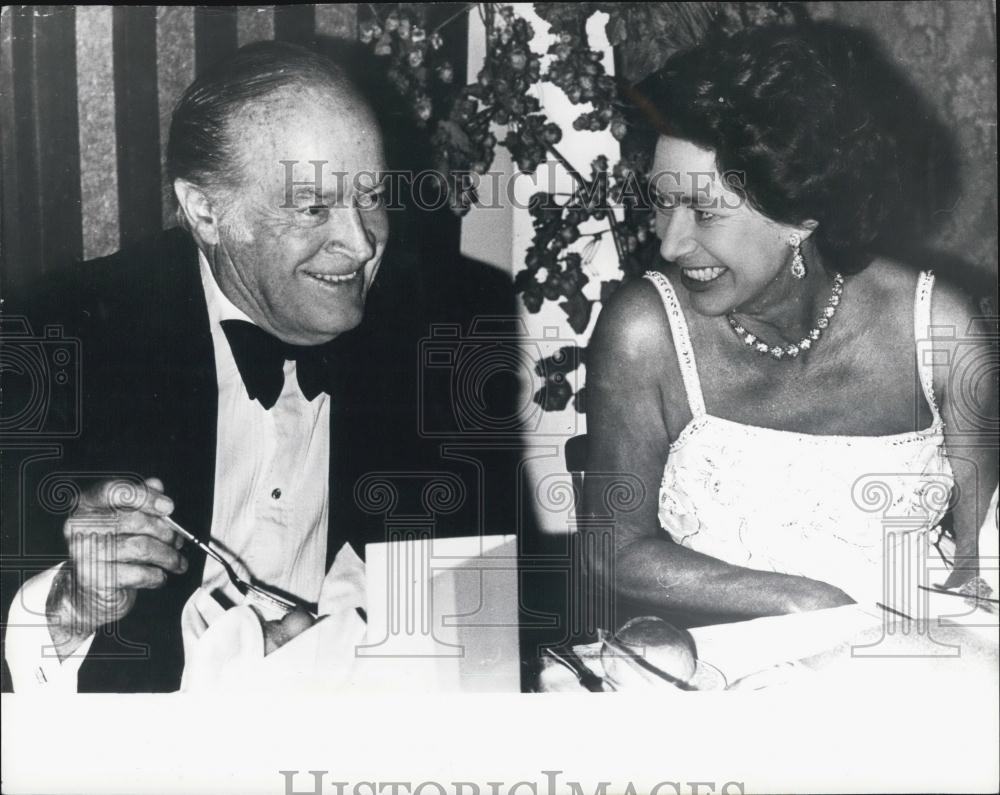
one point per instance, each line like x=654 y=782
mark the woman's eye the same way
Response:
x=663 y=202
x=704 y=217
x=316 y=210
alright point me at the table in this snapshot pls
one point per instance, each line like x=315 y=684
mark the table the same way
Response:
x=847 y=646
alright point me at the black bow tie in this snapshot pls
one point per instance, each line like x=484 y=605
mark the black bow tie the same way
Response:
x=260 y=358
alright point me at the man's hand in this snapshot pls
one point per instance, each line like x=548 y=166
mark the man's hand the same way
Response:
x=118 y=543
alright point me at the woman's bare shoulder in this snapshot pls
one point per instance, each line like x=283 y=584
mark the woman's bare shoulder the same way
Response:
x=893 y=281
x=633 y=326
x=886 y=276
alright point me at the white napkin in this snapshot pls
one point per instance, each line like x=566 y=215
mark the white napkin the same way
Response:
x=224 y=649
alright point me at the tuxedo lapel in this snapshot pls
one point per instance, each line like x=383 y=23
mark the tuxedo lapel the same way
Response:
x=344 y=517
x=160 y=421
x=373 y=405
x=190 y=389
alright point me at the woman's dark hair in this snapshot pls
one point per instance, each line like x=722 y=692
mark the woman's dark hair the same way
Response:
x=789 y=109
x=200 y=148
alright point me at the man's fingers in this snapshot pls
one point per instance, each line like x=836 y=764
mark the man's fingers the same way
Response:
x=115 y=563
x=121 y=524
x=140 y=524
x=157 y=503
x=115 y=493
x=134 y=575
x=148 y=551
x=122 y=494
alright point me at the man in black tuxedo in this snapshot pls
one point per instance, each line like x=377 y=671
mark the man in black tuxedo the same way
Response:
x=240 y=375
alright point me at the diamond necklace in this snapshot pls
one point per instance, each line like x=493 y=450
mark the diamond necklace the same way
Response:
x=792 y=350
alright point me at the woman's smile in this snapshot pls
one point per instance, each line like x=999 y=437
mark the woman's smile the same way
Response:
x=701 y=278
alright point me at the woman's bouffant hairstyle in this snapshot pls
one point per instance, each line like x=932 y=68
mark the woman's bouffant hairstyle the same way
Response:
x=789 y=109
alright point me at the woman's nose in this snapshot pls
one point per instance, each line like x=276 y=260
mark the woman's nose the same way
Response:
x=675 y=235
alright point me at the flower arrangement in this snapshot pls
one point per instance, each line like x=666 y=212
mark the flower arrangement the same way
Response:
x=461 y=120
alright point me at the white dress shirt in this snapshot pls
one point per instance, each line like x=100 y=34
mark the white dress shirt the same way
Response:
x=269 y=510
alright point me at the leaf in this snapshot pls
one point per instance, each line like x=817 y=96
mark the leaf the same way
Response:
x=577 y=309
x=532 y=297
x=563 y=361
x=572 y=281
x=553 y=396
x=524 y=279
x=453 y=134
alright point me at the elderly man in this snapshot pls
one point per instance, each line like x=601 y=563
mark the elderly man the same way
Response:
x=220 y=386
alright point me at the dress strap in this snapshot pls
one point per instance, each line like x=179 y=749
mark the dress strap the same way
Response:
x=924 y=335
x=682 y=343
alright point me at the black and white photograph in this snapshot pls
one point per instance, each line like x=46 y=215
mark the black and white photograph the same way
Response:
x=480 y=399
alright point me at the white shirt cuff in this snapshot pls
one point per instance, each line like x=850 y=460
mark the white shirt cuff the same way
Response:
x=30 y=651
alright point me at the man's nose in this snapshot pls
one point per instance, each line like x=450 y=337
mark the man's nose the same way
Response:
x=353 y=234
x=676 y=238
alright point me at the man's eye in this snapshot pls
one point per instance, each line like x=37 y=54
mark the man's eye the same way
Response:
x=371 y=200
x=314 y=213
x=704 y=217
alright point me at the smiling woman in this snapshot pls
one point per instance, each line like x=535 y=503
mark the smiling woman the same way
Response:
x=768 y=377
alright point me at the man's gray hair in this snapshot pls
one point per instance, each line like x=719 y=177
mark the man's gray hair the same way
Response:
x=201 y=148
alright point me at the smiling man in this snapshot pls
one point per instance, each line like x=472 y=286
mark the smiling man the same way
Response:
x=227 y=385
x=301 y=268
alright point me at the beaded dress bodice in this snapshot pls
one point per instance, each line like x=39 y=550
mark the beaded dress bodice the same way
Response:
x=858 y=512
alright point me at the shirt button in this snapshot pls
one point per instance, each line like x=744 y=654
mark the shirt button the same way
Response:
x=276 y=494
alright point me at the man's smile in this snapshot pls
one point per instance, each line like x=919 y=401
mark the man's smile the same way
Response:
x=333 y=278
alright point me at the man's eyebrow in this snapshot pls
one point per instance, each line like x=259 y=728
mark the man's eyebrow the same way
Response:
x=305 y=192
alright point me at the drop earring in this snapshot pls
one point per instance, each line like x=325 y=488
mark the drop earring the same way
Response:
x=798 y=264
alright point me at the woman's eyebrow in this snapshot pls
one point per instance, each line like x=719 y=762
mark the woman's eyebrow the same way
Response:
x=675 y=193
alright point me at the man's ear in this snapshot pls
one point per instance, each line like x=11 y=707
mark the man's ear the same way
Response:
x=202 y=218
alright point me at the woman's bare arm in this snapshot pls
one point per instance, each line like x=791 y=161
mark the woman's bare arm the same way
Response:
x=965 y=379
x=633 y=382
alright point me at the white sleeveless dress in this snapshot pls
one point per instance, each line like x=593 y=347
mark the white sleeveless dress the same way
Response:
x=858 y=512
